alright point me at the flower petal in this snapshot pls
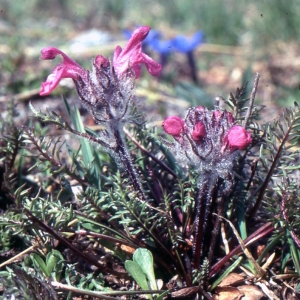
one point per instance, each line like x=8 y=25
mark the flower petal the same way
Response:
x=52 y=52
x=132 y=56
x=117 y=52
x=67 y=69
x=152 y=66
x=52 y=81
x=135 y=42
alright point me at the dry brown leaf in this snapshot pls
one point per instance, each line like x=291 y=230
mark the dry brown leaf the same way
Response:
x=251 y=292
x=228 y=292
x=127 y=249
x=185 y=292
x=231 y=279
x=260 y=249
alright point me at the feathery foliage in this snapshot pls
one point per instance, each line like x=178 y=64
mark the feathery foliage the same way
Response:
x=84 y=218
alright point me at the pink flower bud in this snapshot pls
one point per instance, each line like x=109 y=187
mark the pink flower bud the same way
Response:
x=217 y=114
x=238 y=138
x=173 y=125
x=199 y=131
x=101 y=61
x=200 y=108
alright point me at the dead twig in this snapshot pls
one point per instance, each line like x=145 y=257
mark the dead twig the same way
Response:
x=252 y=98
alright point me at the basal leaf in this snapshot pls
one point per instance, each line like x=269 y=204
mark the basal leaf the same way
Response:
x=134 y=269
x=145 y=260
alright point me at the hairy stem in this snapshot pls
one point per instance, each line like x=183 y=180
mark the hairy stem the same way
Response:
x=199 y=220
x=206 y=197
x=124 y=155
x=215 y=232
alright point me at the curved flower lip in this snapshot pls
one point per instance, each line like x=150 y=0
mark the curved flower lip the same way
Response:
x=132 y=55
x=238 y=138
x=173 y=125
x=52 y=52
x=67 y=69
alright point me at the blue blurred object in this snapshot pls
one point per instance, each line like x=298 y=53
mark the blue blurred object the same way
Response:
x=161 y=46
x=152 y=35
x=179 y=43
x=127 y=33
x=184 y=45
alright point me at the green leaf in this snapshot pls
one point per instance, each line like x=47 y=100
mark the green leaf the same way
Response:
x=161 y=296
x=284 y=261
x=193 y=94
x=225 y=274
x=269 y=246
x=39 y=262
x=52 y=260
x=137 y=273
x=295 y=253
x=290 y=167
x=145 y=260
x=91 y=227
x=89 y=155
x=240 y=212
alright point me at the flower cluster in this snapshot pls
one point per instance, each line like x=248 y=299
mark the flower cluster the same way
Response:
x=106 y=91
x=208 y=139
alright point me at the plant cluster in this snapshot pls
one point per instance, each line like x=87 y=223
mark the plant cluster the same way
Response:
x=121 y=217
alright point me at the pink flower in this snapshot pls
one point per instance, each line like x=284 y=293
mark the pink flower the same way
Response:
x=67 y=69
x=217 y=114
x=132 y=56
x=199 y=131
x=200 y=108
x=173 y=125
x=237 y=138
